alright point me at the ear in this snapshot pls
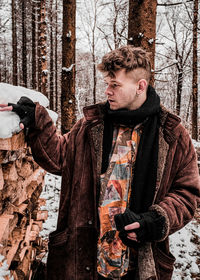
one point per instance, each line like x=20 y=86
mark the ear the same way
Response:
x=142 y=86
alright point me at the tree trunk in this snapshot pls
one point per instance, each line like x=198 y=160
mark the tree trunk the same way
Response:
x=5 y=71
x=142 y=26
x=188 y=109
x=115 y=25
x=33 y=45
x=24 y=49
x=0 y=69
x=68 y=66
x=56 y=59
x=195 y=75
x=39 y=61
x=94 y=69
x=14 y=44
x=179 y=91
x=51 y=57
x=42 y=60
x=94 y=79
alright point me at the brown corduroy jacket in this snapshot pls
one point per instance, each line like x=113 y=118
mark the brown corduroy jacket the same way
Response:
x=77 y=156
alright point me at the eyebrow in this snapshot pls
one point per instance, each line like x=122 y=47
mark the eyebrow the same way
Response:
x=112 y=81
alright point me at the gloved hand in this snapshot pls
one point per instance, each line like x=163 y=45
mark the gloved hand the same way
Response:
x=151 y=226
x=25 y=109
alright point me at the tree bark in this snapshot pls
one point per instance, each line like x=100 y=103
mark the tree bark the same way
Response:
x=56 y=59
x=142 y=26
x=94 y=74
x=42 y=60
x=33 y=45
x=68 y=66
x=14 y=44
x=51 y=58
x=39 y=61
x=195 y=75
x=24 y=48
x=179 y=91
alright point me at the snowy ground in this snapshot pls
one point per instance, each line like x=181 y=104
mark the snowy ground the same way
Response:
x=185 y=244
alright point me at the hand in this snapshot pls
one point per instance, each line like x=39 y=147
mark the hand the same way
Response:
x=25 y=109
x=142 y=227
x=5 y=107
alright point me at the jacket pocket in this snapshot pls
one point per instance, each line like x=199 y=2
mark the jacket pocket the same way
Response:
x=58 y=255
x=58 y=238
x=164 y=264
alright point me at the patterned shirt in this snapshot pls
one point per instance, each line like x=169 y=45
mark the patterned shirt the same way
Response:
x=113 y=255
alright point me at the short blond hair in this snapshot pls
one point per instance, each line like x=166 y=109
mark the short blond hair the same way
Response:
x=129 y=58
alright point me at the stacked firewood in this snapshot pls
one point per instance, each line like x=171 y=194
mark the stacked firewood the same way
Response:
x=21 y=220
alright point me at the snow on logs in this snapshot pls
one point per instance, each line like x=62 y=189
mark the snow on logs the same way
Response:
x=21 y=182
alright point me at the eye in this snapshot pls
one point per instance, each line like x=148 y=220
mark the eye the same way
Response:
x=114 y=85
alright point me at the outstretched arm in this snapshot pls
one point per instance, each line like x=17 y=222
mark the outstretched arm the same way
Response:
x=48 y=148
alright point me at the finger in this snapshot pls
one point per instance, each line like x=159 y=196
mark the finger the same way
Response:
x=132 y=238
x=132 y=235
x=21 y=125
x=4 y=107
x=132 y=226
x=25 y=121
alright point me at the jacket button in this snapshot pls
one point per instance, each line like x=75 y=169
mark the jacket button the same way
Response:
x=90 y=222
x=87 y=268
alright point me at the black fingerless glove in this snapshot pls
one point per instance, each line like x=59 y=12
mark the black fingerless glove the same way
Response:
x=25 y=109
x=151 y=226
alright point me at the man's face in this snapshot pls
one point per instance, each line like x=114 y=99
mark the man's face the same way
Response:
x=121 y=91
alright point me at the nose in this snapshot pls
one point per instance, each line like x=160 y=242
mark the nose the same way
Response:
x=108 y=91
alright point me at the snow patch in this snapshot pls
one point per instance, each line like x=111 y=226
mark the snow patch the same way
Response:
x=4 y=271
x=9 y=121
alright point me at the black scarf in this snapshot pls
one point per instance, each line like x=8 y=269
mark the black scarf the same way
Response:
x=145 y=170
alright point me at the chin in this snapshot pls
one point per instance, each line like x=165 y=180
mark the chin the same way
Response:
x=113 y=107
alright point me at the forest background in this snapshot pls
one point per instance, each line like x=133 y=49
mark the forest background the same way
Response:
x=54 y=46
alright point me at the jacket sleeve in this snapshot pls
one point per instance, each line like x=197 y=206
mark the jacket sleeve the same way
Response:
x=183 y=195
x=49 y=149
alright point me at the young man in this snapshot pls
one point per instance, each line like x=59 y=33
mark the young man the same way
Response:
x=129 y=178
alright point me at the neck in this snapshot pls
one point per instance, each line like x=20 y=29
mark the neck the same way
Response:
x=139 y=101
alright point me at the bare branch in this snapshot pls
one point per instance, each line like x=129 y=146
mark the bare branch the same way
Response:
x=105 y=37
x=4 y=24
x=189 y=15
x=160 y=70
x=173 y=4
x=162 y=81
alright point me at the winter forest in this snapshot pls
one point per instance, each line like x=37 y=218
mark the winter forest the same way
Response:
x=53 y=47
